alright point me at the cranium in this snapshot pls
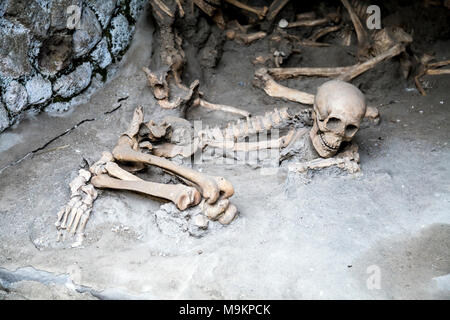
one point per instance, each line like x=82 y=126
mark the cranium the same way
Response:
x=339 y=108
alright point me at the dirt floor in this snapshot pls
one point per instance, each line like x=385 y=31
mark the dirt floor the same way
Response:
x=325 y=238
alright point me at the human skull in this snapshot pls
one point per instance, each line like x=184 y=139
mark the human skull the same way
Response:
x=339 y=108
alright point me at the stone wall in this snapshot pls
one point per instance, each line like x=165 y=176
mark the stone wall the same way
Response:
x=52 y=50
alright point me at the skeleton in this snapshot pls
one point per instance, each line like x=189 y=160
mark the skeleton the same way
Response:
x=211 y=192
x=339 y=108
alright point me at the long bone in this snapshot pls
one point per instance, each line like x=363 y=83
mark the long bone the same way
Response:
x=244 y=37
x=275 y=7
x=430 y=69
x=124 y=152
x=343 y=73
x=209 y=188
x=260 y=12
x=346 y=160
x=361 y=34
x=274 y=89
x=221 y=107
x=182 y=196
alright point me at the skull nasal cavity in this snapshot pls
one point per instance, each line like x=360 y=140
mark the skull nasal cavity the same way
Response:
x=333 y=124
x=350 y=130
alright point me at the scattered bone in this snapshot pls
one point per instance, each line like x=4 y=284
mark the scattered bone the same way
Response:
x=364 y=41
x=205 y=7
x=371 y=63
x=213 y=211
x=262 y=59
x=180 y=8
x=343 y=73
x=311 y=22
x=230 y=214
x=219 y=19
x=245 y=38
x=287 y=73
x=274 y=89
x=427 y=68
x=387 y=38
x=207 y=185
x=220 y=107
x=163 y=7
x=322 y=32
x=347 y=160
x=260 y=12
x=275 y=7
x=158 y=82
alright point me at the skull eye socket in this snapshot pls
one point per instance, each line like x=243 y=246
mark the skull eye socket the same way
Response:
x=333 y=124
x=350 y=130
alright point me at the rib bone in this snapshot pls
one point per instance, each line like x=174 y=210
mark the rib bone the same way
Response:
x=221 y=107
x=274 y=89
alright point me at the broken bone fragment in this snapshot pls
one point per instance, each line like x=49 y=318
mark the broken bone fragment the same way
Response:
x=244 y=37
x=229 y=215
x=213 y=211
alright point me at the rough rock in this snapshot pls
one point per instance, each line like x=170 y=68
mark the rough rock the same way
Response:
x=136 y=7
x=87 y=35
x=103 y=9
x=58 y=13
x=74 y=82
x=101 y=55
x=42 y=42
x=33 y=14
x=57 y=107
x=4 y=118
x=15 y=97
x=39 y=90
x=120 y=34
x=14 y=46
x=55 y=54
